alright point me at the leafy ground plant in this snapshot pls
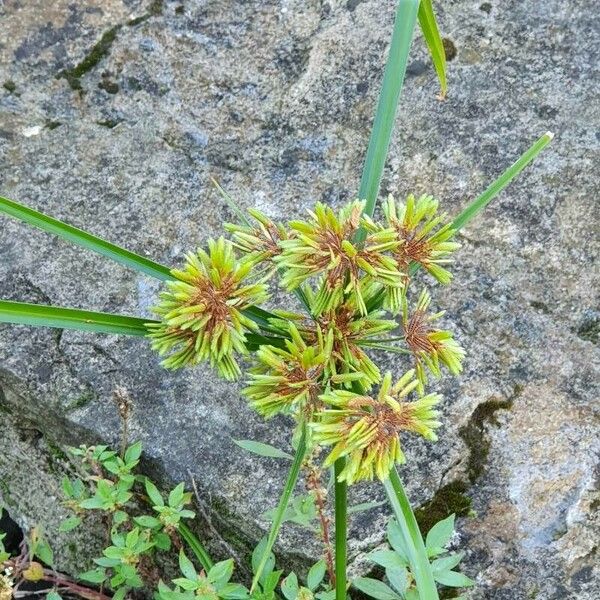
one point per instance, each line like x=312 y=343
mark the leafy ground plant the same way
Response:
x=108 y=484
x=357 y=280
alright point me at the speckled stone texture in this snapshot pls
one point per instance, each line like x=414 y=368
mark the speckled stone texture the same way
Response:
x=114 y=115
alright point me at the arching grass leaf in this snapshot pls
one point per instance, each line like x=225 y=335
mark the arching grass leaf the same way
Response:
x=38 y=315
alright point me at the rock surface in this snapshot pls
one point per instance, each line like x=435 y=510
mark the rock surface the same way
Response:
x=116 y=123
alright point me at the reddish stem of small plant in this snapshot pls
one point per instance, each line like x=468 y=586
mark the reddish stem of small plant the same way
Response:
x=64 y=582
x=313 y=483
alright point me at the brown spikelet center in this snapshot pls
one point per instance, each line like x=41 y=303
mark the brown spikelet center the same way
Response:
x=416 y=334
x=413 y=248
x=385 y=423
x=214 y=299
x=269 y=239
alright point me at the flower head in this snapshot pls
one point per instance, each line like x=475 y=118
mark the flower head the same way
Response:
x=261 y=237
x=288 y=380
x=429 y=346
x=324 y=246
x=202 y=310
x=366 y=429
x=422 y=239
x=352 y=332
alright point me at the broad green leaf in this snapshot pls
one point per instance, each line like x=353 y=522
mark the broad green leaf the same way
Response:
x=120 y=517
x=147 y=521
x=453 y=579
x=270 y=583
x=262 y=449
x=84 y=239
x=120 y=594
x=42 y=550
x=439 y=535
x=289 y=586
x=396 y=540
x=375 y=588
x=67 y=487
x=153 y=493
x=69 y=524
x=221 y=572
x=432 y=36
x=22 y=313
x=389 y=97
x=93 y=576
x=446 y=563
x=186 y=566
x=162 y=541
x=104 y=561
x=315 y=575
x=233 y=591
x=132 y=537
x=176 y=495
x=133 y=453
x=388 y=558
x=52 y=595
x=398 y=577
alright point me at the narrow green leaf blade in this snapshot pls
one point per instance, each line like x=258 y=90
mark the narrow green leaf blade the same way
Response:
x=39 y=315
x=284 y=500
x=393 y=80
x=237 y=211
x=417 y=554
x=477 y=205
x=84 y=239
x=499 y=184
x=432 y=36
x=195 y=545
x=262 y=449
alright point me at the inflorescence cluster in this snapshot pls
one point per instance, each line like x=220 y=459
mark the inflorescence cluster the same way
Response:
x=353 y=276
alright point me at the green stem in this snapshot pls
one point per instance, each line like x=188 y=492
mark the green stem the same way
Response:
x=196 y=546
x=341 y=527
x=393 y=80
x=417 y=554
x=284 y=500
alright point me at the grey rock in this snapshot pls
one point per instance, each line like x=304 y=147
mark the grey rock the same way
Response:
x=275 y=100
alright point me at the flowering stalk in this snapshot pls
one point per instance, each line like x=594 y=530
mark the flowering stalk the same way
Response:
x=314 y=485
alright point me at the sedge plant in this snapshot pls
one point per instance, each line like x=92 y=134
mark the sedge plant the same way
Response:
x=354 y=277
